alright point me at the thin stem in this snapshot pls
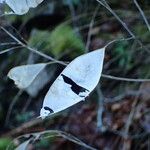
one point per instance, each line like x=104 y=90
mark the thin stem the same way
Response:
x=142 y=14
x=11 y=107
x=73 y=14
x=125 y=79
x=117 y=40
x=121 y=22
x=124 y=95
x=58 y=133
x=31 y=49
x=63 y=63
x=90 y=28
x=9 y=49
x=117 y=17
x=7 y=14
x=101 y=108
x=13 y=37
x=130 y=118
x=8 y=43
x=45 y=56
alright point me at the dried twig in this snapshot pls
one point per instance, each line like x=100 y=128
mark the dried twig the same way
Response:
x=10 y=49
x=142 y=14
x=73 y=14
x=8 y=43
x=63 y=63
x=31 y=49
x=124 y=79
x=101 y=108
x=105 y=4
x=57 y=133
x=116 y=16
x=11 y=107
x=128 y=124
x=90 y=28
x=7 y=14
x=130 y=118
x=124 y=95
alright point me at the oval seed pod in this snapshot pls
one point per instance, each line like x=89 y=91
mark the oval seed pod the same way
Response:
x=24 y=75
x=75 y=82
x=21 y=7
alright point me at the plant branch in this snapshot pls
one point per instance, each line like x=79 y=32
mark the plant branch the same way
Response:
x=31 y=49
x=90 y=28
x=142 y=14
x=124 y=95
x=58 y=133
x=63 y=63
x=11 y=107
x=121 y=22
x=124 y=79
x=101 y=109
x=9 y=49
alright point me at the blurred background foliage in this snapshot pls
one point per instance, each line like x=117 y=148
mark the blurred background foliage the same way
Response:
x=60 y=29
x=66 y=42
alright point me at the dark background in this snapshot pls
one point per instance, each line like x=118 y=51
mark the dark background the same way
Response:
x=116 y=114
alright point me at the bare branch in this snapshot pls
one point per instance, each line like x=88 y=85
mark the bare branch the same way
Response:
x=116 y=16
x=124 y=95
x=122 y=23
x=31 y=49
x=124 y=79
x=11 y=106
x=63 y=63
x=142 y=14
x=9 y=49
x=58 y=133
x=101 y=109
x=90 y=28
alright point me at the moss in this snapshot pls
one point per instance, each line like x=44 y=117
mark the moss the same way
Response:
x=63 y=38
x=60 y=41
